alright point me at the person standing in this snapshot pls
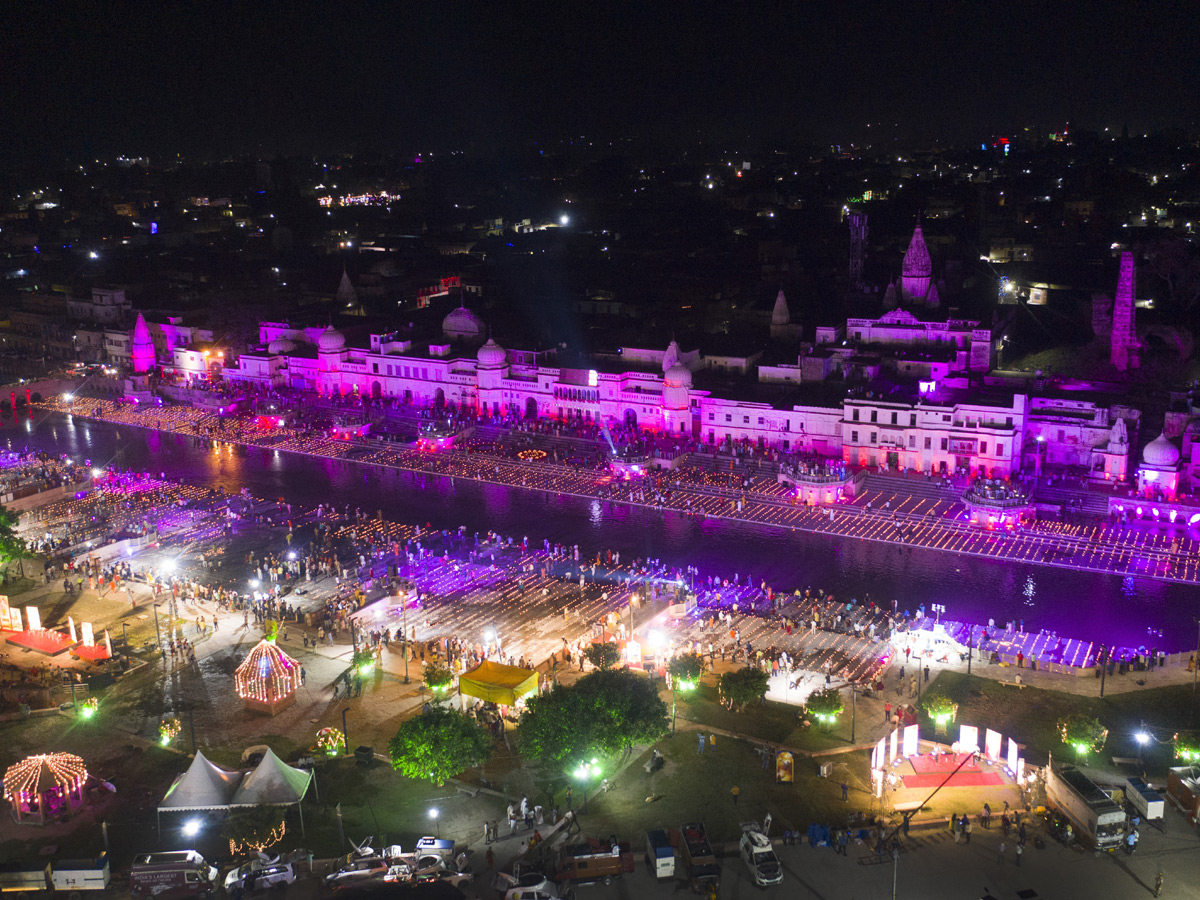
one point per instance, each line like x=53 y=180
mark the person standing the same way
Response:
x=737 y=792
x=968 y=826
x=845 y=792
x=1003 y=850
x=887 y=711
x=1020 y=850
x=987 y=816
x=712 y=742
x=700 y=744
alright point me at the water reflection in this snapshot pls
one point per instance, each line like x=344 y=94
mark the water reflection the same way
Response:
x=1091 y=606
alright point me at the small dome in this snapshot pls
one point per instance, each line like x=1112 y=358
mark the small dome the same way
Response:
x=678 y=375
x=331 y=340
x=1160 y=452
x=280 y=345
x=463 y=325
x=491 y=355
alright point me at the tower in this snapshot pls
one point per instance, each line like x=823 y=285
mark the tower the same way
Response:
x=858 y=250
x=782 y=328
x=917 y=273
x=141 y=348
x=1125 y=346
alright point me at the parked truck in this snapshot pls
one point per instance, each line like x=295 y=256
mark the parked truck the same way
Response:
x=64 y=875
x=1098 y=819
x=660 y=855
x=174 y=874
x=697 y=858
x=596 y=860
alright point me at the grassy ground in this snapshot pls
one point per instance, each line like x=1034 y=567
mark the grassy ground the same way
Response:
x=692 y=786
x=776 y=723
x=1031 y=716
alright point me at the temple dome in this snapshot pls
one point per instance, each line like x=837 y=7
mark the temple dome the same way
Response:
x=781 y=315
x=491 y=355
x=331 y=340
x=678 y=375
x=463 y=325
x=1160 y=452
x=671 y=357
x=280 y=345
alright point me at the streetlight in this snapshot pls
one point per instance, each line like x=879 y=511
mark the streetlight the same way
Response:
x=191 y=828
x=584 y=773
x=345 y=736
x=938 y=609
x=1142 y=738
x=433 y=814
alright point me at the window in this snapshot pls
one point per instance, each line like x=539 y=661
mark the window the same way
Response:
x=406 y=371
x=728 y=417
x=712 y=417
x=999 y=449
x=912 y=420
x=375 y=368
x=760 y=420
x=894 y=418
x=854 y=415
x=912 y=442
x=928 y=443
x=983 y=447
x=946 y=417
x=874 y=415
x=1061 y=435
x=1008 y=421
x=874 y=436
x=854 y=437
x=745 y=420
x=944 y=444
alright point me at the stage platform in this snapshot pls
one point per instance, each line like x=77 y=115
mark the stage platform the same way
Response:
x=961 y=779
x=93 y=653
x=46 y=641
x=945 y=763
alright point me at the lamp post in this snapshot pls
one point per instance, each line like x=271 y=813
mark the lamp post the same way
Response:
x=157 y=633
x=584 y=773
x=345 y=735
x=970 y=645
x=1142 y=738
x=433 y=814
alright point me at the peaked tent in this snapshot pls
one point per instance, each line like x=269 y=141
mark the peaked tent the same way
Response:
x=272 y=782
x=203 y=786
x=497 y=683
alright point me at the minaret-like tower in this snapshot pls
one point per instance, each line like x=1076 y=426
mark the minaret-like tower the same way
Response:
x=917 y=272
x=1125 y=346
x=858 y=250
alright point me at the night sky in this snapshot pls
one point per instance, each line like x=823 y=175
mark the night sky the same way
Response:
x=216 y=78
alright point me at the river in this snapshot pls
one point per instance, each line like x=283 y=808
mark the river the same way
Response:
x=1087 y=605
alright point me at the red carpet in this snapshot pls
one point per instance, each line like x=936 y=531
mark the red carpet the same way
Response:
x=49 y=642
x=944 y=762
x=962 y=779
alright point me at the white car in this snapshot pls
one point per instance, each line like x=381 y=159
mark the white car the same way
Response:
x=531 y=881
x=358 y=870
x=759 y=857
x=524 y=893
x=256 y=875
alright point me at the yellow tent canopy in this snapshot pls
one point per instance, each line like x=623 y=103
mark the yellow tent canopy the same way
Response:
x=496 y=683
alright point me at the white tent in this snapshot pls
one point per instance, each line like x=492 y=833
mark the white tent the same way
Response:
x=203 y=786
x=272 y=782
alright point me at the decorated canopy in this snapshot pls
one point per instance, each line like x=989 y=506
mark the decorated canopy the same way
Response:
x=203 y=786
x=268 y=678
x=45 y=784
x=496 y=683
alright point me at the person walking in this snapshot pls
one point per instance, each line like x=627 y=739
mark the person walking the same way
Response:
x=737 y=792
x=986 y=818
x=845 y=792
x=490 y=858
x=1020 y=850
x=968 y=826
x=1003 y=850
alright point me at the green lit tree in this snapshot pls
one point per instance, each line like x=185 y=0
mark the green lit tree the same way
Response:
x=1083 y=734
x=939 y=707
x=742 y=687
x=438 y=744
x=603 y=656
x=825 y=705
x=604 y=713
x=11 y=547
x=686 y=668
x=438 y=678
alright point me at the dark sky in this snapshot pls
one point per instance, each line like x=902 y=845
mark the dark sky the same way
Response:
x=210 y=77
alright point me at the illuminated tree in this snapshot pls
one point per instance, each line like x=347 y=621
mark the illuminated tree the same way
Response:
x=438 y=744
x=740 y=688
x=438 y=678
x=603 y=655
x=686 y=668
x=604 y=713
x=11 y=546
x=253 y=828
x=1083 y=734
x=939 y=707
x=825 y=705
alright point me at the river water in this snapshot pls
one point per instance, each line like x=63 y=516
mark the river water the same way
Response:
x=1091 y=606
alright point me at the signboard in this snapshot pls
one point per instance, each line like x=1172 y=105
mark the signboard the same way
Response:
x=785 y=767
x=992 y=742
x=968 y=738
x=912 y=734
x=34 y=618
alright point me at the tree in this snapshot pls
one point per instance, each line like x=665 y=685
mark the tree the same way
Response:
x=1084 y=734
x=605 y=712
x=939 y=707
x=254 y=828
x=826 y=705
x=11 y=546
x=438 y=677
x=687 y=667
x=603 y=655
x=740 y=688
x=438 y=744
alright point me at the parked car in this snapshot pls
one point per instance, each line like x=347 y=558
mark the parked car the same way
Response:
x=358 y=870
x=257 y=874
x=532 y=880
x=759 y=856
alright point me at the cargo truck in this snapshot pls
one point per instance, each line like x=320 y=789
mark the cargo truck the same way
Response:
x=697 y=858
x=1098 y=819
